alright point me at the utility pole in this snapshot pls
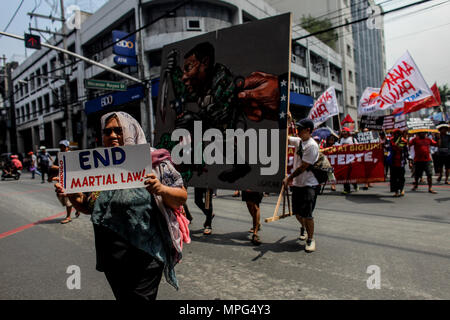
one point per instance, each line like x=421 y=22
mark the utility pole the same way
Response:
x=66 y=92
x=11 y=136
x=12 y=110
x=6 y=87
x=67 y=105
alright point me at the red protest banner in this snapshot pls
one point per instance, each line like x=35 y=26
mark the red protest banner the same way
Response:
x=357 y=163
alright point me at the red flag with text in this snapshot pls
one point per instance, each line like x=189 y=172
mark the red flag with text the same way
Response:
x=431 y=101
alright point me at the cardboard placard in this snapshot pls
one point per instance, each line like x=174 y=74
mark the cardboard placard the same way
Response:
x=122 y=167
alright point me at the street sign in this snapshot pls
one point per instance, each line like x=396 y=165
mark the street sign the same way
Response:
x=106 y=85
x=32 y=41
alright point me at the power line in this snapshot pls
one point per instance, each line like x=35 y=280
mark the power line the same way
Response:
x=419 y=11
x=328 y=13
x=14 y=15
x=359 y=20
x=347 y=33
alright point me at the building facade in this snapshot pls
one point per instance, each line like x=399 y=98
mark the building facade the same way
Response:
x=370 y=53
x=42 y=103
x=361 y=48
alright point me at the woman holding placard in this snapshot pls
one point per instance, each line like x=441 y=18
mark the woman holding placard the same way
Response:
x=138 y=232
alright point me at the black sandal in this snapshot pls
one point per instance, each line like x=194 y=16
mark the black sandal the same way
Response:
x=207 y=230
x=255 y=240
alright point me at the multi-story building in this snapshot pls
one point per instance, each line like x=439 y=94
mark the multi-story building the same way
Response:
x=337 y=12
x=368 y=39
x=361 y=48
x=40 y=100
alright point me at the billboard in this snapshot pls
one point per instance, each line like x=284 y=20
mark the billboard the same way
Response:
x=222 y=105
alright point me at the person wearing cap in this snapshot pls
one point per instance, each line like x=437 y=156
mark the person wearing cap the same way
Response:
x=44 y=159
x=64 y=146
x=305 y=186
x=347 y=138
x=443 y=154
x=399 y=149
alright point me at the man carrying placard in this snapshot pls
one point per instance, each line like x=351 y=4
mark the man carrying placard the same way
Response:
x=305 y=186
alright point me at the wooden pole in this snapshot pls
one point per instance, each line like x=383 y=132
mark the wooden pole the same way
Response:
x=207 y=198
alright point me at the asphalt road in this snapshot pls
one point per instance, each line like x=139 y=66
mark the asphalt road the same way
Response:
x=406 y=238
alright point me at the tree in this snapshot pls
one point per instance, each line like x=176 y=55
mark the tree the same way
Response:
x=312 y=25
x=444 y=91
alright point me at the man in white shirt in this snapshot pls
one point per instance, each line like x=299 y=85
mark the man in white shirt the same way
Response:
x=305 y=186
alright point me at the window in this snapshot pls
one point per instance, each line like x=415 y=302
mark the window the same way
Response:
x=33 y=109
x=347 y=27
x=352 y=100
x=26 y=85
x=193 y=25
x=44 y=73
x=300 y=55
x=39 y=104
x=38 y=78
x=350 y=76
x=27 y=111
x=349 y=50
x=32 y=81
x=47 y=103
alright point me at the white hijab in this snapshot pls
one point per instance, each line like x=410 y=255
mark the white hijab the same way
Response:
x=132 y=131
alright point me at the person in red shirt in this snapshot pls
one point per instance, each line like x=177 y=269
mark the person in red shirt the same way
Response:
x=17 y=164
x=422 y=159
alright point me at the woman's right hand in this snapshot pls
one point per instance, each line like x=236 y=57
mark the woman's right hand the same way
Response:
x=77 y=199
x=58 y=187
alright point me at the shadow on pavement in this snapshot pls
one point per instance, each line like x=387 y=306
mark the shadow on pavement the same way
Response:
x=243 y=239
x=363 y=198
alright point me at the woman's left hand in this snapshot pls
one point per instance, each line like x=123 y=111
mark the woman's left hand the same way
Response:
x=153 y=185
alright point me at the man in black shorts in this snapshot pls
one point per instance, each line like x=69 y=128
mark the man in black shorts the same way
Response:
x=305 y=186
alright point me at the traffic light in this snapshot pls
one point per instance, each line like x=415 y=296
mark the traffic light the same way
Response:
x=32 y=41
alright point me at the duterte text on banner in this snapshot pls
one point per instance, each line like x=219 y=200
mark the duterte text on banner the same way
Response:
x=357 y=163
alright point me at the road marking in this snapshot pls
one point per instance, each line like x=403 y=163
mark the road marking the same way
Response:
x=11 y=232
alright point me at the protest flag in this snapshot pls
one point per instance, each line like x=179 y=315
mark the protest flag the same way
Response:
x=429 y=102
x=403 y=83
x=370 y=101
x=325 y=107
